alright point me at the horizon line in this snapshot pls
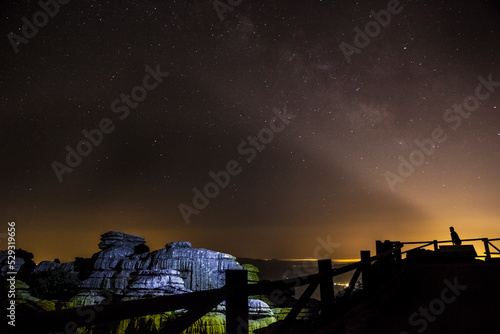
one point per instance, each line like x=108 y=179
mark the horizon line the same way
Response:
x=312 y=260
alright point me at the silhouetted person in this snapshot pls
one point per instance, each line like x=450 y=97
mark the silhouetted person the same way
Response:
x=454 y=237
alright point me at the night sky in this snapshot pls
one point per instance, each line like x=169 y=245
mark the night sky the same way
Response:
x=330 y=169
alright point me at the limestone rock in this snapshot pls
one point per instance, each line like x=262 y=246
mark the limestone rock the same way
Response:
x=90 y=298
x=178 y=244
x=156 y=283
x=22 y=290
x=116 y=246
x=201 y=269
x=119 y=240
x=253 y=273
x=50 y=265
x=256 y=307
x=124 y=267
x=117 y=260
x=136 y=262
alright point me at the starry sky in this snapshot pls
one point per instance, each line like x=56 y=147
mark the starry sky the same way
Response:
x=329 y=173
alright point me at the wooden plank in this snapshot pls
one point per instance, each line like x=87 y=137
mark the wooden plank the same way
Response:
x=366 y=271
x=493 y=247
x=237 y=302
x=487 y=248
x=180 y=324
x=326 y=287
x=352 y=284
x=301 y=303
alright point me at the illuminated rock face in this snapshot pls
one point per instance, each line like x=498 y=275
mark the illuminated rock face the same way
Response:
x=116 y=247
x=152 y=283
x=49 y=265
x=126 y=267
x=201 y=269
x=114 y=265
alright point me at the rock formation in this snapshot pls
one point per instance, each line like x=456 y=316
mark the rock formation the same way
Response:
x=201 y=269
x=125 y=267
x=114 y=264
x=152 y=283
x=50 y=265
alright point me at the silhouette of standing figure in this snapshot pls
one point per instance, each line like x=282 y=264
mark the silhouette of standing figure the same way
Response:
x=454 y=237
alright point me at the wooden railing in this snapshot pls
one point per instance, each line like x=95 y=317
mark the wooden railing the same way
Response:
x=237 y=291
x=486 y=242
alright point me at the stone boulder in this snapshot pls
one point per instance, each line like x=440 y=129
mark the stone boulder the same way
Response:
x=151 y=283
x=116 y=246
x=50 y=265
x=256 y=307
x=253 y=273
x=201 y=269
x=115 y=263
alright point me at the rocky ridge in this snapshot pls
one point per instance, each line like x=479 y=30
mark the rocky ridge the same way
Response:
x=127 y=268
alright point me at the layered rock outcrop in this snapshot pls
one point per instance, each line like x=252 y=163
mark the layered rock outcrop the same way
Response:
x=125 y=267
x=152 y=283
x=116 y=262
x=201 y=269
x=50 y=265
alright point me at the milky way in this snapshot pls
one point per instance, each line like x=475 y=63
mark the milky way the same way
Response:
x=368 y=85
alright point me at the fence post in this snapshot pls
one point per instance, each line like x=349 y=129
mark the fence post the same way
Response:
x=435 y=242
x=366 y=272
x=397 y=255
x=385 y=262
x=237 y=302
x=326 y=286
x=487 y=249
x=379 y=247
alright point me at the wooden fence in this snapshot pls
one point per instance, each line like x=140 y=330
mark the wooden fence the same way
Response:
x=486 y=242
